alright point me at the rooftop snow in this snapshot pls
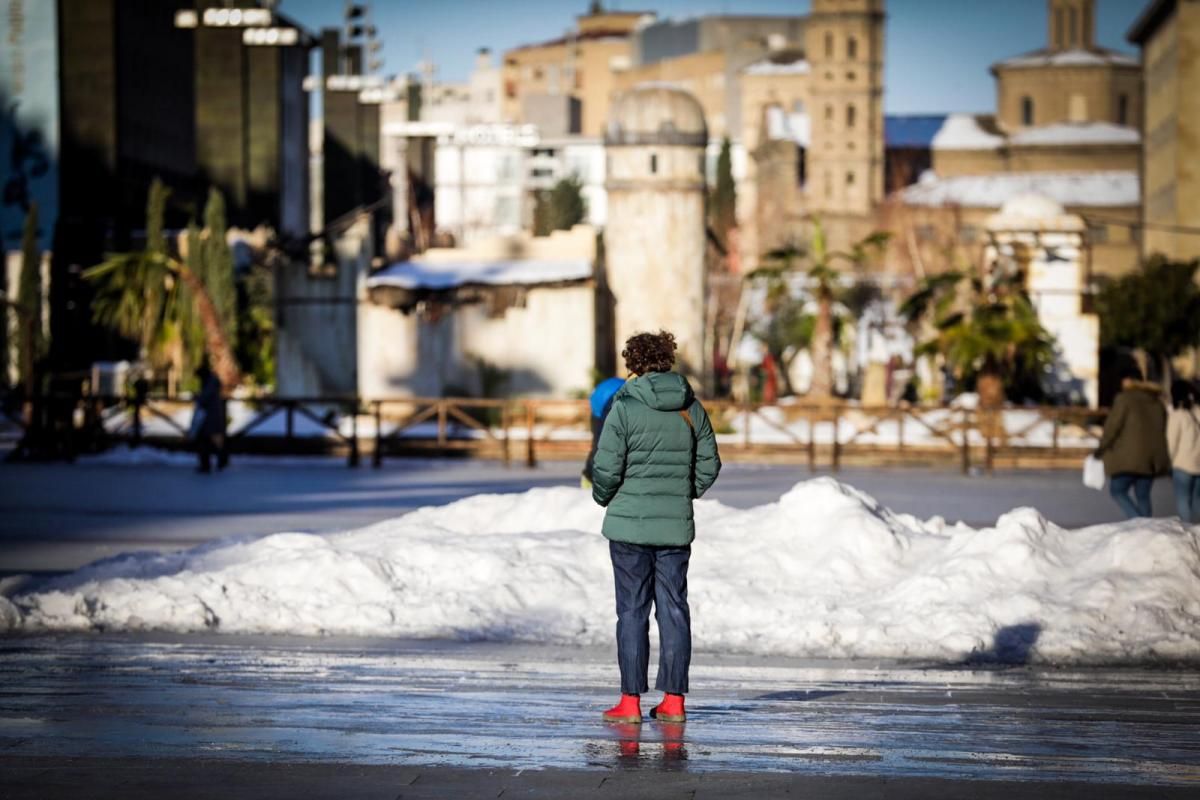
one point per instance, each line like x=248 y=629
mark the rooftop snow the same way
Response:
x=1069 y=58
x=965 y=132
x=768 y=67
x=1104 y=189
x=450 y=275
x=1074 y=133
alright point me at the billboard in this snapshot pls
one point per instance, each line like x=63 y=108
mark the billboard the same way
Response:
x=28 y=118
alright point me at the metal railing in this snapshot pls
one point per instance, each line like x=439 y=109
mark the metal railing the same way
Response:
x=831 y=434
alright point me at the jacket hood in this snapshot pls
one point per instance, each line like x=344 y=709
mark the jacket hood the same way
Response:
x=664 y=391
x=1145 y=386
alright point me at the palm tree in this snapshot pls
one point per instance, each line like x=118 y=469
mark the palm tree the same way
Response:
x=986 y=329
x=823 y=276
x=152 y=297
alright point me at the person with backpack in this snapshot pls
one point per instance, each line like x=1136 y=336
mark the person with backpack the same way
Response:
x=600 y=402
x=1183 y=442
x=657 y=453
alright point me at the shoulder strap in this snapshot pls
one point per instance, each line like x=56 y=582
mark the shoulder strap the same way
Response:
x=687 y=418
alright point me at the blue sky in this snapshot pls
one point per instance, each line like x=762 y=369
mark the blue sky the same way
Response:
x=938 y=51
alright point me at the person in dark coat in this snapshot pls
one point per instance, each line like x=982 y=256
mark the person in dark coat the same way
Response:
x=657 y=453
x=1134 y=444
x=208 y=421
x=600 y=402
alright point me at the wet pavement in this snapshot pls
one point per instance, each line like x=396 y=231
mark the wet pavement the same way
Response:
x=128 y=711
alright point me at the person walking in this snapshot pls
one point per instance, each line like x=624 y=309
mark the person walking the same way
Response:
x=208 y=421
x=1134 y=444
x=600 y=402
x=1183 y=443
x=656 y=454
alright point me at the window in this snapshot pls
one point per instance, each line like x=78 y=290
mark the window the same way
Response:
x=851 y=113
x=851 y=48
x=1097 y=232
x=654 y=163
x=801 y=165
x=1027 y=110
x=829 y=45
x=829 y=112
x=850 y=178
x=1123 y=109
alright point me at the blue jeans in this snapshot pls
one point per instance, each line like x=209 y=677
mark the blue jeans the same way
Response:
x=1118 y=487
x=1187 y=495
x=643 y=575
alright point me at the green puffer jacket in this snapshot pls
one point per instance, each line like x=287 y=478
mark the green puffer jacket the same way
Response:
x=650 y=463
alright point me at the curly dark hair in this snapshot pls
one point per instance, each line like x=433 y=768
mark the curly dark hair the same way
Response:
x=649 y=352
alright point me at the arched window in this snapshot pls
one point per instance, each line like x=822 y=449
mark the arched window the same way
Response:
x=829 y=45
x=850 y=178
x=851 y=113
x=1123 y=109
x=653 y=163
x=829 y=112
x=1026 y=110
x=852 y=48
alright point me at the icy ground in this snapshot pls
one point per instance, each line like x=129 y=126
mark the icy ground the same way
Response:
x=512 y=709
x=825 y=571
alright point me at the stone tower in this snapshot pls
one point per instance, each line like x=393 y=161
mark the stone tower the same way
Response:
x=1072 y=24
x=654 y=240
x=843 y=42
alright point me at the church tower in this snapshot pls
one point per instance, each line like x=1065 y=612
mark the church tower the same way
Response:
x=1072 y=25
x=843 y=43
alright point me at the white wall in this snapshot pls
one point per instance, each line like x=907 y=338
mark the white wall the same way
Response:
x=548 y=346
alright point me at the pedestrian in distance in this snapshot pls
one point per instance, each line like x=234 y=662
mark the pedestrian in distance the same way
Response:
x=1134 y=444
x=208 y=421
x=600 y=402
x=657 y=453
x=1183 y=443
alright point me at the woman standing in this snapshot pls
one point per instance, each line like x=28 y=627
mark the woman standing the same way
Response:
x=1183 y=441
x=657 y=453
x=1134 y=444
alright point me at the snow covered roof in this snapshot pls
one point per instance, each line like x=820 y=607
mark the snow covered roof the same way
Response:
x=452 y=274
x=769 y=67
x=1069 y=58
x=911 y=130
x=1075 y=133
x=967 y=132
x=1114 y=188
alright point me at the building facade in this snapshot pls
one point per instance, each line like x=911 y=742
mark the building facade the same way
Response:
x=1168 y=33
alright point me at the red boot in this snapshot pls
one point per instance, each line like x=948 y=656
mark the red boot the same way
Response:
x=629 y=710
x=670 y=709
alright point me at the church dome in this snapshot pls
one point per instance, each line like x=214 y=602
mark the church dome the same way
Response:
x=656 y=114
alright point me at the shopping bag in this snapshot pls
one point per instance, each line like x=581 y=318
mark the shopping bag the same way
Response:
x=198 y=417
x=1093 y=473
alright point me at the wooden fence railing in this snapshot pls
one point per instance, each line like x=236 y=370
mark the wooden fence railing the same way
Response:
x=529 y=429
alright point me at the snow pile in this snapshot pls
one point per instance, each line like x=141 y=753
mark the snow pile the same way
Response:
x=825 y=571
